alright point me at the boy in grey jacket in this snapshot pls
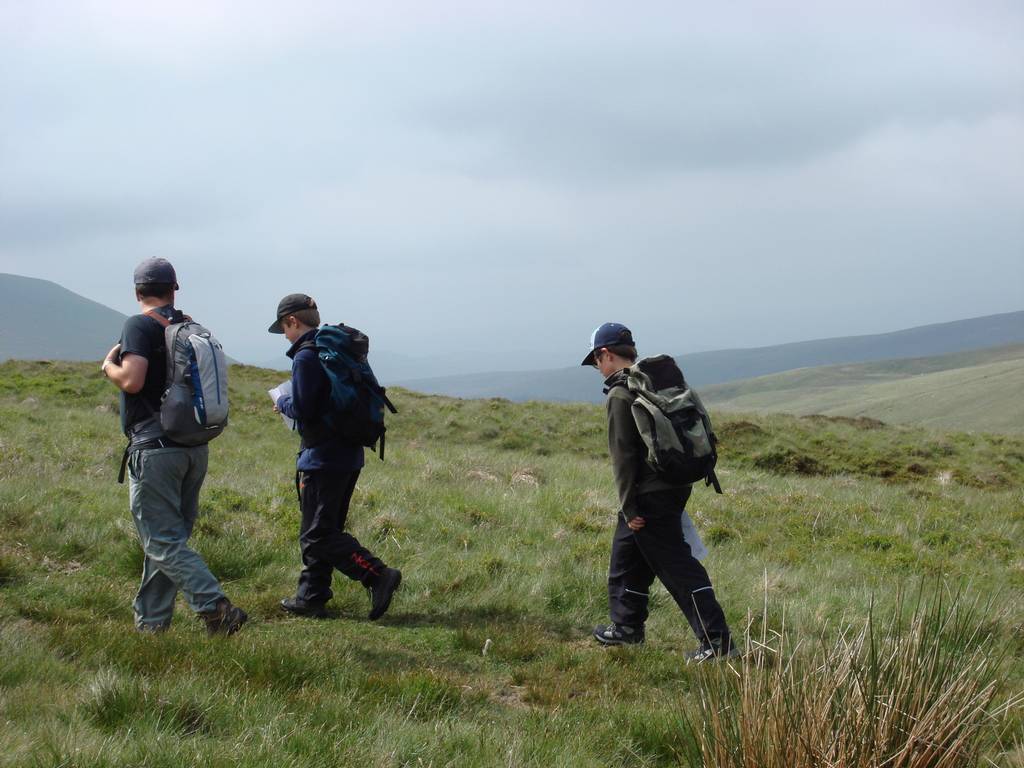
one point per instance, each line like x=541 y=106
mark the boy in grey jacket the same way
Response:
x=648 y=539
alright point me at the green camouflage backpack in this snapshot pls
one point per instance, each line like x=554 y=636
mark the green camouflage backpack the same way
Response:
x=672 y=421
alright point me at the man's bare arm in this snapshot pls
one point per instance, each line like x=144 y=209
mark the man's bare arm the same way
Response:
x=129 y=375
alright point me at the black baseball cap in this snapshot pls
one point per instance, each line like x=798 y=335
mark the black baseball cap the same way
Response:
x=156 y=271
x=608 y=335
x=289 y=305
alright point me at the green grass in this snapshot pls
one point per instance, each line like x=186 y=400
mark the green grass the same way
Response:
x=977 y=391
x=500 y=516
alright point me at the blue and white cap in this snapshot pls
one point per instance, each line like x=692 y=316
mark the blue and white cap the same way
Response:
x=608 y=335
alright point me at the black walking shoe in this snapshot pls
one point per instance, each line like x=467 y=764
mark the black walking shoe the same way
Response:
x=618 y=634
x=299 y=607
x=382 y=589
x=225 y=619
x=712 y=650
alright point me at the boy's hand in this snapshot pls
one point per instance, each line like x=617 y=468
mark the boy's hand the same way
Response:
x=636 y=523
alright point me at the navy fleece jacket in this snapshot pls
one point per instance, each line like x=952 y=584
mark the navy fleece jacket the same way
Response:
x=307 y=404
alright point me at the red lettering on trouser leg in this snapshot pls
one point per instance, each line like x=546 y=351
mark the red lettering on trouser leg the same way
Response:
x=363 y=563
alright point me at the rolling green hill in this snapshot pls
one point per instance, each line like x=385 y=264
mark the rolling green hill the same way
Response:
x=980 y=390
x=500 y=516
x=705 y=369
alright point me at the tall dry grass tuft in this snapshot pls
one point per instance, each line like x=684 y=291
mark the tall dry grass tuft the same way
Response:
x=919 y=690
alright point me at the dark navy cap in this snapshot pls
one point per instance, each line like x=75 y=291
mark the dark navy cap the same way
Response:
x=289 y=305
x=155 y=271
x=608 y=335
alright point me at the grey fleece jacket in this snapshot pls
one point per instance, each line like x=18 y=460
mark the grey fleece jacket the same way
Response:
x=633 y=475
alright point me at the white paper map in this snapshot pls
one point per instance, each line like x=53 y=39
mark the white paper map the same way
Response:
x=284 y=388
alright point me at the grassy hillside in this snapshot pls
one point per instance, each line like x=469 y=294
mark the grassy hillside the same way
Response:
x=500 y=516
x=978 y=390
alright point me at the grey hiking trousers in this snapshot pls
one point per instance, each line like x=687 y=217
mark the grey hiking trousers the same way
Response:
x=164 y=488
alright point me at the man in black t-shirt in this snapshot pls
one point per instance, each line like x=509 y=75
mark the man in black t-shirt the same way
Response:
x=143 y=336
x=164 y=477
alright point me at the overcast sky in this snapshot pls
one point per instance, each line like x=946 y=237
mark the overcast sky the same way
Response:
x=492 y=180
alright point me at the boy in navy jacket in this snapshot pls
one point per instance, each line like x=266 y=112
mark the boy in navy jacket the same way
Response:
x=327 y=470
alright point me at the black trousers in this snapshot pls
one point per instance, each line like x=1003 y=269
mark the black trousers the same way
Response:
x=659 y=550
x=324 y=497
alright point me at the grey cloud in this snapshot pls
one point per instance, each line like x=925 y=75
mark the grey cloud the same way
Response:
x=626 y=111
x=492 y=176
x=49 y=223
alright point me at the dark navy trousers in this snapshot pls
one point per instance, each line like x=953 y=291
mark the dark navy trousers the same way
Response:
x=324 y=498
x=658 y=550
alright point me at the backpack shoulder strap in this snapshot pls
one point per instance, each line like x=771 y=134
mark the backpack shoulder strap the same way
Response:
x=154 y=315
x=178 y=317
x=620 y=389
x=165 y=323
x=173 y=326
x=621 y=392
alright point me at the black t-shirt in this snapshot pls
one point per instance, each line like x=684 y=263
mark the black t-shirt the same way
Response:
x=144 y=336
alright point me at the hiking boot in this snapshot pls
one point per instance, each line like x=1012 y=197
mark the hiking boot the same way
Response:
x=225 y=619
x=618 y=634
x=382 y=589
x=298 y=607
x=712 y=650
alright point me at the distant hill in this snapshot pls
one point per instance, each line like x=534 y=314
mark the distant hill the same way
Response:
x=40 y=320
x=979 y=390
x=703 y=369
x=63 y=325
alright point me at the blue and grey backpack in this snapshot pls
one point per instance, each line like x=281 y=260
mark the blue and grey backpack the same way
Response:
x=357 y=400
x=194 y=405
